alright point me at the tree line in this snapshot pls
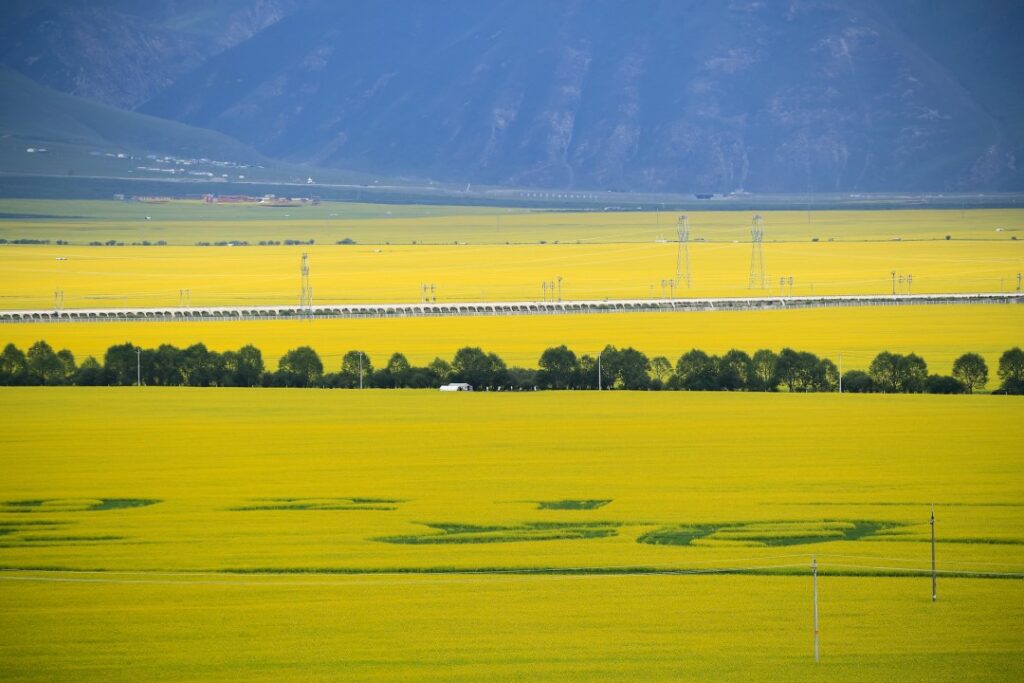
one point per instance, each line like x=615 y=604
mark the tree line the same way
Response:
x=558 y=368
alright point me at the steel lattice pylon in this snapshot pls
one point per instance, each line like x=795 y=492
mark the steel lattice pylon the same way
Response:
x=757 y=273
x=683 y=252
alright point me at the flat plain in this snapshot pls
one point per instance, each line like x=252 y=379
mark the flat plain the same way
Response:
x=162 y=533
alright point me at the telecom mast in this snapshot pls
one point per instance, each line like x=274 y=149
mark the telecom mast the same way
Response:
x=757 y=274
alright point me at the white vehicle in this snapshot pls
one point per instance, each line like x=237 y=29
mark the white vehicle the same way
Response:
x=457 y=386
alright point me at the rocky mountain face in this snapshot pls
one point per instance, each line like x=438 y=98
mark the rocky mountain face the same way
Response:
x=123 y=52
x=642 y=95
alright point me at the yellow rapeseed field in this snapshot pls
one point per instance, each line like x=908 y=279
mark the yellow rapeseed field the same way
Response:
x=154 y=276
x=184 y=533
x=938 y=333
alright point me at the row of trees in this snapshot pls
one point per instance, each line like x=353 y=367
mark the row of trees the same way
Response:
x=558 y=368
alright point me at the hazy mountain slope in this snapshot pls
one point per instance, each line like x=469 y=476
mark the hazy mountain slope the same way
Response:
x=122 y=52
x=642 y=95
x=43 y=116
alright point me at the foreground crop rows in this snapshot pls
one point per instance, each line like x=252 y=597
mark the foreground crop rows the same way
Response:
x=183 y=531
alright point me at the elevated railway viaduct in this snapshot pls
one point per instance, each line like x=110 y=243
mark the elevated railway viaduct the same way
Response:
x=492 y=308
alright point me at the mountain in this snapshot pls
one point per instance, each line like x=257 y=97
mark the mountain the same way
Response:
x=637 y=95
x=122 y=52
x=41 y=116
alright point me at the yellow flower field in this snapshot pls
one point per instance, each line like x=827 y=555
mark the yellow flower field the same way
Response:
x=153 y=276
x=938 y=333
x=206 y=525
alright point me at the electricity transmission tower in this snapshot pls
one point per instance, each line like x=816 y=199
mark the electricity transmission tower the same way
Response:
x=306 y=294
x=683 y=252
x=757 y=274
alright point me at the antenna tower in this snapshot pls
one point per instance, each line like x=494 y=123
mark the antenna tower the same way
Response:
x=306 y=295
x=757 y=275
x=683 y=252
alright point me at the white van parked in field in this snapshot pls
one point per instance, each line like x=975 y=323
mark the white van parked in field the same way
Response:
x=457 y=386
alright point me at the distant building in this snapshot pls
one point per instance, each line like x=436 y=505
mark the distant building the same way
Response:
x=457 y=386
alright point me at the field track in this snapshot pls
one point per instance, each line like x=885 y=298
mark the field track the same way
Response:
x=496 y=308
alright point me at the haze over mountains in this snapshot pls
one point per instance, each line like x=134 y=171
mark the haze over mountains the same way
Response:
x=644 y=95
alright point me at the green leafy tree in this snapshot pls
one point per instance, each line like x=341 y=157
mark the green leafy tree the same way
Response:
x=300 y=367
x=939 y=384
x=559 y=368
x=857 y=382
x=473 y=366
x=696 y=371
x=971 y=370
x=13 y=365
x=90 y=373
x=1011 y=370
x=67 y=366
x=355 y=367
x=44 y=367
x=734 y=370
x=440 y=371
x=762 y=371
x=119 y=364
x=661 y=369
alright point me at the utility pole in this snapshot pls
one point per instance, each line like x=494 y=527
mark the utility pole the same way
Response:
x=1018 y=282
x=599 y=369
x=138 y=366
x=544 y=290
x=894 y=283
x=935 y=594
x=814 y=572
x=840 y=372
x=910 y=284
x=559 y=289
x=360 y=369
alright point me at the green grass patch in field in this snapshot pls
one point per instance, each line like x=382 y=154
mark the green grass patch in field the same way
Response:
x=765 y=534
x=74 y=504
x=257 y=504
x=585 y=504
x=530 y=531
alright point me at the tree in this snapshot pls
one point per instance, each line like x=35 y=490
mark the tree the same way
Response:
x=1011 y=370
x=787 y=368
x=247 y=368
x=398 y=370
x=938 y=384
x=558 y=368
x=90 y=373
x=825 y=376
x=472 y=366
x=913 y=372
x=355 y=369
x=300 y=367
x=696 y=371
x=971 y=370
x=734 y=370
x=661 y=368
x=857 y=382
x=13 y=365
x=626 y=368
x=67 y=366
x=43 y=365
x=201 y=367
x=440 y=371
x=762 y=371
x=163 y=366
x=119 y=364
x=892 y=372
